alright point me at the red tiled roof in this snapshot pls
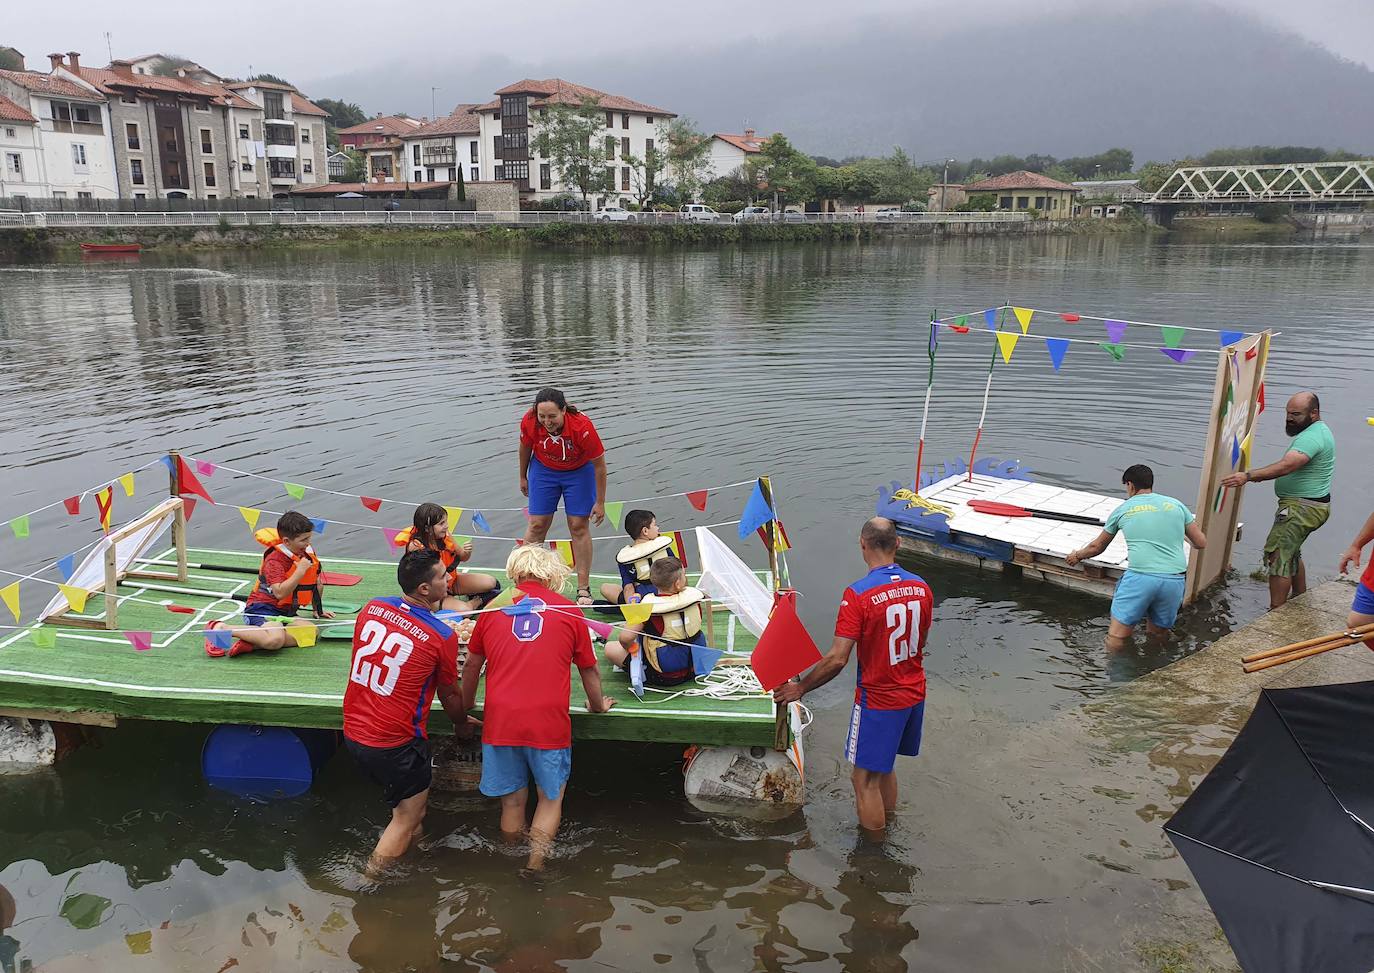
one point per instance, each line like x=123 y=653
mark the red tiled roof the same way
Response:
x=556 y=91
x=391 y=125
x=747 y=143
x=49 y=84
x=336 y=188
x=237 y=100
x=463 y=121
x=111 y=81
x=260 y=84
x=302 y=105
x=10 y=112
x=1018 y=180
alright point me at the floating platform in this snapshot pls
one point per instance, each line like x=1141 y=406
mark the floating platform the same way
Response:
x=943 y=525
x=95 y=676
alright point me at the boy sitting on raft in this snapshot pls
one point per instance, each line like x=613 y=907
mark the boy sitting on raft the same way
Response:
x=634 y=560
x=288 y=580
x=666 y=639
x=430 y=532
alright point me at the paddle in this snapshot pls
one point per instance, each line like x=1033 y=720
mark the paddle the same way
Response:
x=334 y=578
x=998 y=509
x=1303 y=650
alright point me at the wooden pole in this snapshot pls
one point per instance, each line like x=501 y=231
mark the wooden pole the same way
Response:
x=1280 y=660
x=111 y=587
x=782 y=725
x=1351 y=635
x=179 y=521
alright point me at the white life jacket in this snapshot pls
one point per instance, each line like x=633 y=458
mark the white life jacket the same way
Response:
x=679 y=614
x=638 y=557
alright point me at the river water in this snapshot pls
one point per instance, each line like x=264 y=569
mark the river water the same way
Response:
x=401 y=372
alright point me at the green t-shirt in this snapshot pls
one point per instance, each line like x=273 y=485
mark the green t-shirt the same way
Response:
x=1314 y=479
x=1153 y=525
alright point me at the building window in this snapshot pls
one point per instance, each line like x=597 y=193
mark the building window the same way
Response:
x=496 y=146
x=473 y=174
x=625 y=147
x=209 y=173
x=545 y=176
x=273 y=105
x=305 y=137
x=473 y=147
x=14 y=164
x=129 y=99
x=610 y=119
x=307 y=167
x=207 y=144
x=609 y=184
x=649 y=119
x=140 y=195
x=519 y=171
x=9 y=133
x=79 y=157
x=243 y=132
x=648 y=149
x=625 y=119
x=610 y=148
x=415 y=154
x=1023 y=202
x=136 y=171
x=1004 y=202
x=202 y=106
x=1040 y=203
x=59 y=194
x=498 y=174
x=429 y=174
x=212 y=196
x=514 y=106
x=625 y=177
x=71 y=117
x=84 y=195
x=131 y=136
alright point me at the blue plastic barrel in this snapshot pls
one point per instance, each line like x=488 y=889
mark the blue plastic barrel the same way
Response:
x=265 y=763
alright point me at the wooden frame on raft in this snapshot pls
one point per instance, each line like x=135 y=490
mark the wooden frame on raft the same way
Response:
x=1229 y=446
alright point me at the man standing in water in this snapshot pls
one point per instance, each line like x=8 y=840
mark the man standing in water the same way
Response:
x=1152 y=587
x=887 y=614
x=1302 y=481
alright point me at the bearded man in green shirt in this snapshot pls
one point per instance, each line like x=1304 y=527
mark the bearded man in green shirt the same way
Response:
x=1302 y=482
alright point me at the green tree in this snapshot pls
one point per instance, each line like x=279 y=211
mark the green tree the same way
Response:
x=167 y=65
x=270 y=78
x=790 y=175
x=686 y=155
x=342 y=114
x=10 y=59
x=978 y=203
x=740 y=183
x=644 y=175
x=1153 y=175
x=354 y=168
x=570 y=137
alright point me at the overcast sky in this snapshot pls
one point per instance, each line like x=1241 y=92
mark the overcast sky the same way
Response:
x=316 y=40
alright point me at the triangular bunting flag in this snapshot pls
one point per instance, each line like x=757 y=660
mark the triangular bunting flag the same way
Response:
x=704 y=659
x=167 y=462
x=304 y=633
x=1006 y=340
x=44 y=637
x=785 y=648
x=318 y=524
x=990 y=318
x=66 y=566
x=756 y=512
x=73 y=505
x=1023 y=317
x=127 y=482
x=1115 y=350
x=251 y=515
x=221 y=638
x=697 y=498
x=637 y=613
x=371 y=503
x=962 y=321
x=205 y=468
x=565 y=551
x=390 y=533
x=10 y=594
x=20 y=526
x=1245 y=448
x=1235 y=451
x=958 y=328
x=104 y=501
x=454 y=515
x=141 y=641
x=480 y=522
x=76 y=597
x=1070 y=317
x=1173 y=337
x=188 y=505
x=296 y=490
x=1261 y=409
x=1058 y=348
x=1231 y=337
x=614 y=510
x=188 y=482
x=637 y=672
x=1179 y=355
x=679 y=548
x=1116 y=330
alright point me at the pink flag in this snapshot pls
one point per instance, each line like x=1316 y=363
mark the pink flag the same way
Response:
x=391 y=535
x=205 y=468
x=141 y=641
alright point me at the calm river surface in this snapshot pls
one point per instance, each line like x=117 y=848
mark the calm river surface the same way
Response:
x=403 y=371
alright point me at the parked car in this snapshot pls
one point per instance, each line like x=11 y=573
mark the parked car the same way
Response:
x=697 y=213
x=890 y=213
x=752 y=214
x=794 y=216
x=614 y=214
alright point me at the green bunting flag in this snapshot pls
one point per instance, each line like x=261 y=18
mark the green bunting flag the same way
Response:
x=296 y=490
x=613 y=511
x=44 y=637
x=1173 y=337
x=1114 y=349
x=20 y=526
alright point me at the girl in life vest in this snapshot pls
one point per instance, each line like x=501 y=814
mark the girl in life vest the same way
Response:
x=666 y=639
x=430 y=531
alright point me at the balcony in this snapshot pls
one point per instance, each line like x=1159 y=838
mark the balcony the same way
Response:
x=77 y=128
x=438 y=156
x=279 y=171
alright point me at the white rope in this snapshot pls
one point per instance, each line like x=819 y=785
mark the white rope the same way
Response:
x=86 y=492
x=1091 y=317
x=723 y=684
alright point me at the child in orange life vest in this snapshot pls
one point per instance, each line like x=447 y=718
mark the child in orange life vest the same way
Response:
x=634 y=560
x=430 y=531
x=288 y=581
x=666 y=639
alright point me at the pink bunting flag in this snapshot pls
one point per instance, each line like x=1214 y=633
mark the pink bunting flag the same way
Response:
x=1116 y=330
x=1179 y=355
x=371 y=503
x=141 y=641
x=391 y=534
x=205 y=468
x=697 y=498
x=73 y=505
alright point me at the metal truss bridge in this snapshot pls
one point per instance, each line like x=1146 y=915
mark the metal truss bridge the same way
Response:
x=1298 y=182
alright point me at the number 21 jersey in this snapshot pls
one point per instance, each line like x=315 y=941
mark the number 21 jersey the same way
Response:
x=401 y=653
x=887 y=613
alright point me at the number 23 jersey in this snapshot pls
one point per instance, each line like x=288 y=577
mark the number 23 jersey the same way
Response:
x=887 y=613
x=401 y=654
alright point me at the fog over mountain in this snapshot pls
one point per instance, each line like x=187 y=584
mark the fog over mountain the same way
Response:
x=1177 y=78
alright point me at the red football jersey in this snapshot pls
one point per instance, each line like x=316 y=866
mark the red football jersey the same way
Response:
x=887 y=613
x=401 y=654
x=575 y=446
x=529 y=677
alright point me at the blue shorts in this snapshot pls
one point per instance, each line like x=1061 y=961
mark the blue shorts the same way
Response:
x=876 y=736
x=576 y=487
x=1364 y=600
x=506 y=770
x=260 y=612
x=1138 y=595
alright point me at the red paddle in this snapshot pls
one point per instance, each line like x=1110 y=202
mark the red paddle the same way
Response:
x=998 y=509
x=339 y=580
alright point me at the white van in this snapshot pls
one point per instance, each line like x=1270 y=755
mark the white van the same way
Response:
x=697 y=213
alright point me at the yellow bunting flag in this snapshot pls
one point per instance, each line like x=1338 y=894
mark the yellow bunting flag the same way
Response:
x=11 y=595
x=1023 y=318
x=455 y=514
x=638 y=613
x=127 y=482
x=1245 y=450
x=565 y=551
x=304 y=633
x=1006 y=340
x=251 y=514
x=76 y=597
x=104 y=504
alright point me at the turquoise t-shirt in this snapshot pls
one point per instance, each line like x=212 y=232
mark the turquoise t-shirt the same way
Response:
x=1153 y=525
x=1314 y=479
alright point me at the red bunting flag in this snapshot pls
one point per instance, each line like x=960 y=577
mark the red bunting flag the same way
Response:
x=188 y=504
x=104 y=502
x=73 y=505
x=697 y=498
x=1070 y=317
x=784 y=542
x=959 y=328
x=679 y=547
x=371 y=503
x=188 y=482
x=1261 y=398
x=785 y=649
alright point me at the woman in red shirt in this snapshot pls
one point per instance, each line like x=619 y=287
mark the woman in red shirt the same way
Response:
x=561 y=456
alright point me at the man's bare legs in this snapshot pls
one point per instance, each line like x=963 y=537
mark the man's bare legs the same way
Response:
x=548 y=815
x=870 y=797
x=407 y=819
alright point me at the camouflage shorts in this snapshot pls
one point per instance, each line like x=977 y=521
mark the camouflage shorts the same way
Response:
x=1294 y=520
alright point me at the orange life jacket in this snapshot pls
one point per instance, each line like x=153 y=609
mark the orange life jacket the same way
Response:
x=448 y=553
x=307 y=593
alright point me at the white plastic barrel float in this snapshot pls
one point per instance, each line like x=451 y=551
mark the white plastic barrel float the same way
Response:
x=27 y=744
x=755 y=782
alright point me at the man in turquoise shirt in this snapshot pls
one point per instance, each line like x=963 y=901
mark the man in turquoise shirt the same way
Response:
x=1152 y=587
x=1302 y=481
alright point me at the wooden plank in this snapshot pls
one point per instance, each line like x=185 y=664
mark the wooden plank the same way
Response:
x=79 y=716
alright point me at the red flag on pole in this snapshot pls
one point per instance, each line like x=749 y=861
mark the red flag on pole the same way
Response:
x=188 y=483
x=785 y=649
x=697 y=498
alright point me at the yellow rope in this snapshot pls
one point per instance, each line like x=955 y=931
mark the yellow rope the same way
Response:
x=916 y=500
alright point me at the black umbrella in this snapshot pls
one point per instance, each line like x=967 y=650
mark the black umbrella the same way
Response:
x=1279 y=835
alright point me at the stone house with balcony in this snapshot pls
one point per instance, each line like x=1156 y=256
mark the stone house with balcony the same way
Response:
x=21 y=153
x=447 y=149
x=383 y=128
x=278 y=139
x=71 y=126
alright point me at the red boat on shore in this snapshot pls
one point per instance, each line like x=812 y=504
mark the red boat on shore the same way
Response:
x=111 y=247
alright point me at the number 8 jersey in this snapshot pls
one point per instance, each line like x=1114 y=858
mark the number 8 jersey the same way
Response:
x=401 y=653
x=887 y=613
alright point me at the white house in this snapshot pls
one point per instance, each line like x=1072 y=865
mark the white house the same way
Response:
x=277 y=138
x=445 y=149
x=73 y=130
x=21 y=153
x=729 y=152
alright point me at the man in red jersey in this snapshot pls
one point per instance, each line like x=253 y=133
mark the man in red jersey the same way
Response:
x=402 y=654
x=529 y=648
x=887 y=614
